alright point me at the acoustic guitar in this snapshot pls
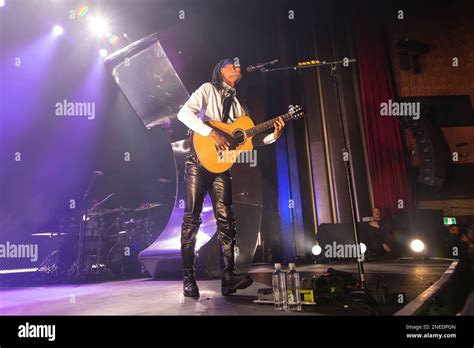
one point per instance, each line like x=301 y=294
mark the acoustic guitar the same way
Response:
x=239 y=134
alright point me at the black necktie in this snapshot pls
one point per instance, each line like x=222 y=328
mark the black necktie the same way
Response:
x=227 y=104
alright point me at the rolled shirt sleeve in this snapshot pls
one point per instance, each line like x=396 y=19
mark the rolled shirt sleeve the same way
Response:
x=188 y=113
x=270 y=138
x=262 y=139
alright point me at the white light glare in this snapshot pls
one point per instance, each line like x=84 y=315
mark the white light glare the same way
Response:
x=98 y=26
x=316 y=250
x=417 y=245
x=58 y=30
x=103 y=52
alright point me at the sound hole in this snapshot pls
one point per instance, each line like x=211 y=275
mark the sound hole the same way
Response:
x=239 y=136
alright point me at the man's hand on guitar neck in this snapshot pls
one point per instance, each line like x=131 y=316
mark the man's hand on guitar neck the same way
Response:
x=219 y=140
x=279 y=125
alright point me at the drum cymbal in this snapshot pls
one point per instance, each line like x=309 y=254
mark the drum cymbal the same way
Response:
x=118 y=210
x=102 y=212
x=148 y=206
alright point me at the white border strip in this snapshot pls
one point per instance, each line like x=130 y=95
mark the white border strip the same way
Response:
x=421 y=300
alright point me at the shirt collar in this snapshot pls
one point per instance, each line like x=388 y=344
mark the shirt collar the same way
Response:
x=228 y=88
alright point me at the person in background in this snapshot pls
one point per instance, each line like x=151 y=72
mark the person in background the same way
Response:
x=456 y=242
x=379 y=230
x=470 y=252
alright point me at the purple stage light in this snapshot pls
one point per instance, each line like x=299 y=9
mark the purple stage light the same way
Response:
x=103 y=52
x=58 y=30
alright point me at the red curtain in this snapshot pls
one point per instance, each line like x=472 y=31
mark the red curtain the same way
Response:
x=383 y=136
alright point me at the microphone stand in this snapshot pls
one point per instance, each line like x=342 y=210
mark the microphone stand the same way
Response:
x=91 y=183
x=345 y=151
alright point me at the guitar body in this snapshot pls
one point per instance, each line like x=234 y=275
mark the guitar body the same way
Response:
x=239 y=134
x=216 y=161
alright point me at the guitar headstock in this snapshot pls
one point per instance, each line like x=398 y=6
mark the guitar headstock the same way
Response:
x=296 y=112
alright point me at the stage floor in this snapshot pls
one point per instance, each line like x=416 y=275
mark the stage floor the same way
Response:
x=130 y=297
x=164 y=297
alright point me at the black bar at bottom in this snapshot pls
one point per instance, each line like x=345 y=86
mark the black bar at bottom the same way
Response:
x=243 y=330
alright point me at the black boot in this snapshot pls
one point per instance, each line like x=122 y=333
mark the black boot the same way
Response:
x=230 y=280
x=190 y=288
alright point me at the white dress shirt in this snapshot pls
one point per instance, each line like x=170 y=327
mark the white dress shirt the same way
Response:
x=206 y=104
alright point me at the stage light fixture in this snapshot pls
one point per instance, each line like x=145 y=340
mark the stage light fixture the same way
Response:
x=417 y=245
x=2 y=3
x=58 y=30
x=99 y=26
x=18 y=270
x=103 y=52
x=316 y=250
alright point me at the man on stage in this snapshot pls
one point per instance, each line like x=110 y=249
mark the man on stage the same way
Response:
x=217 y=101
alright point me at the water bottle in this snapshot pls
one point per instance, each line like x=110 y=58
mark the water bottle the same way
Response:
x=293 y=288
x=279 y=288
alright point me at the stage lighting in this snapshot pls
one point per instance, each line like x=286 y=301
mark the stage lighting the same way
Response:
x=58 y=30
x=363 y=248
x=98 y=26
x=103 y=52
x=18 y=270
x=2 y=3
x=316 y=250
x=417 y=245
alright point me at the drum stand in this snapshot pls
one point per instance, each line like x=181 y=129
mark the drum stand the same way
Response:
x=52 y=268
x=82 y=268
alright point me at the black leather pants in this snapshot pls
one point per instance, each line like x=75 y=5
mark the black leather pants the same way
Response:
x=198 y=182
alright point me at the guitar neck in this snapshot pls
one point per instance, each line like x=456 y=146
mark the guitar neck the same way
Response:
x=264 y=126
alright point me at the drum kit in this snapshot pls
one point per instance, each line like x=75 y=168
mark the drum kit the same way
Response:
x=105 y=242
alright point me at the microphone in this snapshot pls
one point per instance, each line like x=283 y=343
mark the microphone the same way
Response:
x=95 y=174
x=259 y=66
